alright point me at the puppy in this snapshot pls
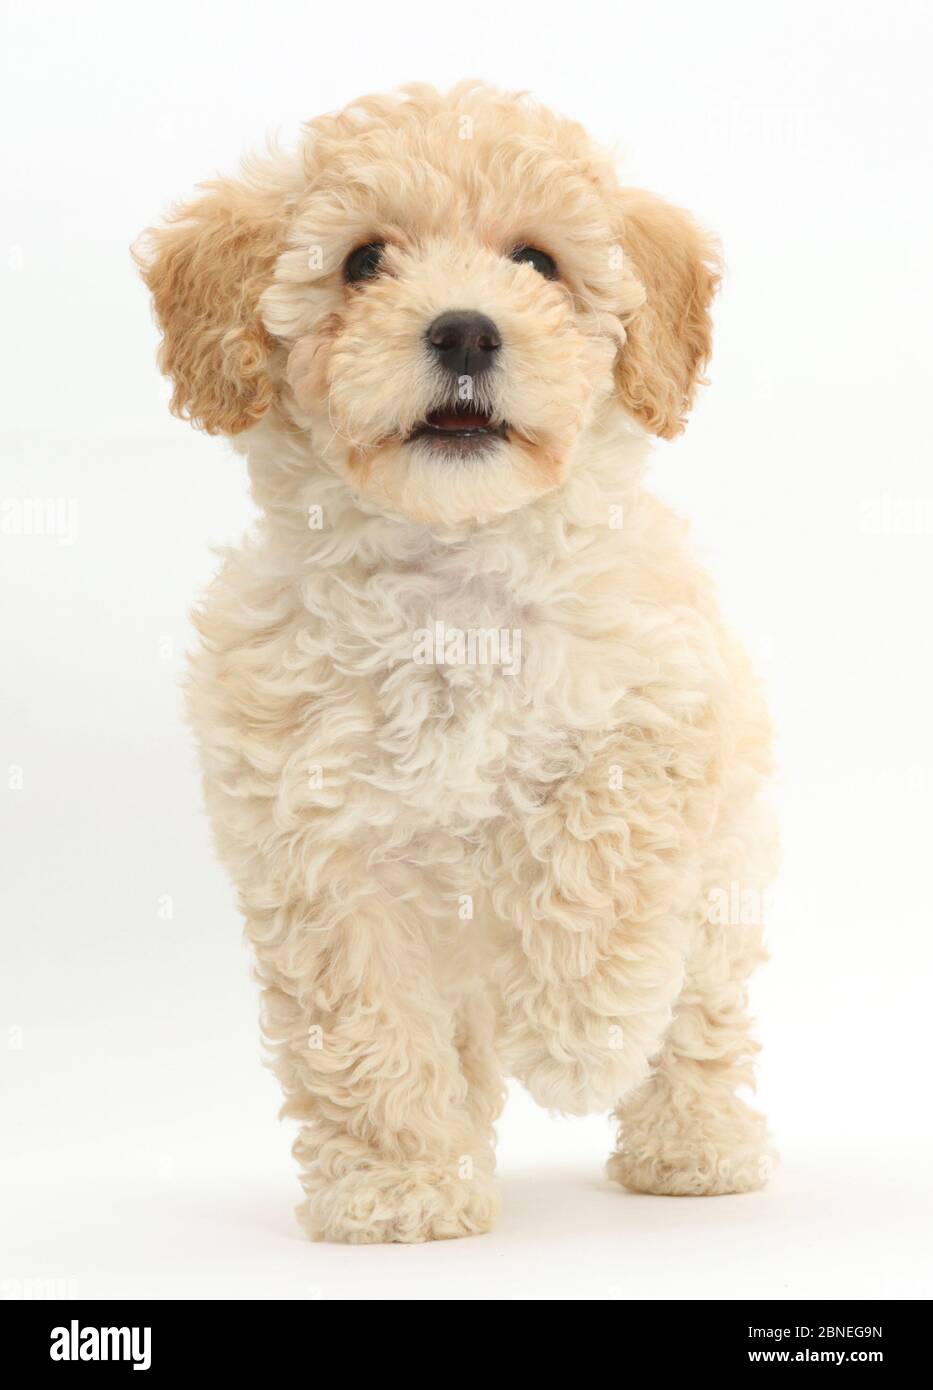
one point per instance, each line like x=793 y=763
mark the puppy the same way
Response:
x=477 y=751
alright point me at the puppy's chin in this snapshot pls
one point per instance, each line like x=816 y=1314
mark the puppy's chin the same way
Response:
x=448 y=481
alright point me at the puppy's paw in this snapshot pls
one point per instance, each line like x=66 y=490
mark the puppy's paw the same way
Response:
x=573 y=1088
x=583 y=1085
x=702 y=1153
x=400 y=1204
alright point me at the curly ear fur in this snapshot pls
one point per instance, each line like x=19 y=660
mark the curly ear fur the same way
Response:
x=206 y=269
x=669 y=338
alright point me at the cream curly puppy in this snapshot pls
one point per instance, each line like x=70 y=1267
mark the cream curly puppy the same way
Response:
x=478 y=753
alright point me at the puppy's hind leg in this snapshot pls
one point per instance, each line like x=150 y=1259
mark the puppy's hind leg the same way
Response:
x=684 y=1131
x=370 y=1060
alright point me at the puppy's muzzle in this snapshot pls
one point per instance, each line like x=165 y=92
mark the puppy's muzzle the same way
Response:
x=464 y=345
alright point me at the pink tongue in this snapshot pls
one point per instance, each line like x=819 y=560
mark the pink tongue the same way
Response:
x=458 y=419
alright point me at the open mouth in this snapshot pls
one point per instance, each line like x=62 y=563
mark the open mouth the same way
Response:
x=463 y=427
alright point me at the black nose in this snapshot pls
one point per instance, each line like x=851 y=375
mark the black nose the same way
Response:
x=464 y=342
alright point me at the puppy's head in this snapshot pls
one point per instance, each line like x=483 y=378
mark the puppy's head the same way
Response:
x=444 y=293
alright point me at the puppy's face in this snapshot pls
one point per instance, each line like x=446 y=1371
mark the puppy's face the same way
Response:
x=444 y=293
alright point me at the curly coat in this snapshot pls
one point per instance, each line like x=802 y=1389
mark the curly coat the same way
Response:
x=449 y=870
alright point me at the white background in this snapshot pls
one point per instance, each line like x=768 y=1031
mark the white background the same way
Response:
x=140 y=1150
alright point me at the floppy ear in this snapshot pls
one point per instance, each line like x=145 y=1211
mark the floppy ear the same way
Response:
x=206 y=269
x=669 y=337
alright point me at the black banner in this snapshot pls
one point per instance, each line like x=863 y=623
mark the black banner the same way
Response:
x=68 y=1338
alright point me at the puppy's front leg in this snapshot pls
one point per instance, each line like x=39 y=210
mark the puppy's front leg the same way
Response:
x=591 y=937
x=392 y=1147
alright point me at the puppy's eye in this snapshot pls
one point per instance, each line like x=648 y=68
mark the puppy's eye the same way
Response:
x=363 y=263
x=539 y=260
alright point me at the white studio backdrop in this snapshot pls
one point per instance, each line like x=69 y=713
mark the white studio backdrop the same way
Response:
x=140 y=1152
